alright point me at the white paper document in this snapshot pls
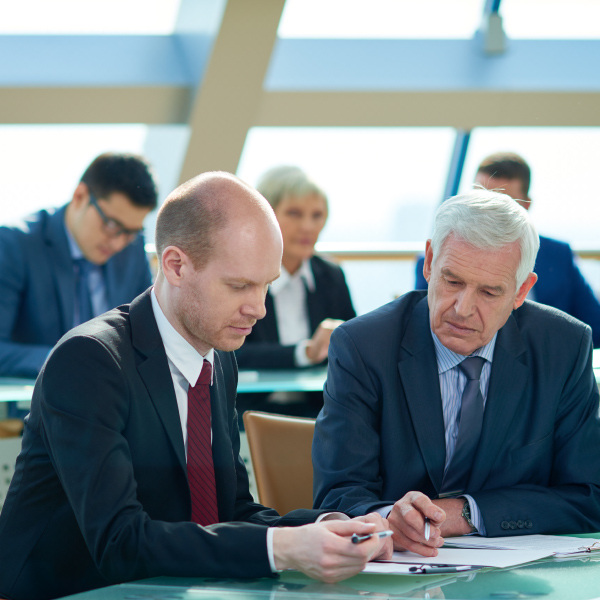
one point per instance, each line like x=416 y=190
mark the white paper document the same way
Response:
x=464 y=557
x=553 y=545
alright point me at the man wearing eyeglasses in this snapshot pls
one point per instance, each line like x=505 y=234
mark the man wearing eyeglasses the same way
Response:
x=61 y=267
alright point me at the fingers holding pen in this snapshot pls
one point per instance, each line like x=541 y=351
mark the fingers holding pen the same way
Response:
x=407 y=520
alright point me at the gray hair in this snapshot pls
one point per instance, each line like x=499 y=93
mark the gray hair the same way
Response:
x=280 y=182
x=487 y=220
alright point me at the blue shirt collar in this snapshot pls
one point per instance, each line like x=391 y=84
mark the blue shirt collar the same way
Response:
x=447 y=359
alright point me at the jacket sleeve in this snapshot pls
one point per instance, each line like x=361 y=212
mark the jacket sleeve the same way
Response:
x=16 y=359
x=570 y=501
x=347 y=443
x=84 y=429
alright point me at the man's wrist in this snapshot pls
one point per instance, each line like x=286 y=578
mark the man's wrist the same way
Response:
x=466 y=515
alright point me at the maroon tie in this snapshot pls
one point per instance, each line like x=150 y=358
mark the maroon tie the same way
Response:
x=201 y=473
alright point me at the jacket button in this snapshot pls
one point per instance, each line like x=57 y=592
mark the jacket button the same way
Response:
x=528 y=524
x=505 y=525
x=520 y=524
x=513 y=524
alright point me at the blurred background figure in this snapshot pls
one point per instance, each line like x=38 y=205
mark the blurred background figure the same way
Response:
x=62 y=266
x=311 y=296
x=560 y=282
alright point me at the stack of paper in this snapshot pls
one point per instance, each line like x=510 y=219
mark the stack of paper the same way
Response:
x=553 y=545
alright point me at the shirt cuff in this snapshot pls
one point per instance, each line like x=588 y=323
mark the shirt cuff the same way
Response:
x=332 y=516
x=270 y=552
x=384 y=511
x=476 y=517
x=300 y=357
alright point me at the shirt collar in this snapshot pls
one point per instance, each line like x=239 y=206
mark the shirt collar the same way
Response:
x=74 y=249
x=447 y=359
x=186 y=359
x=304 y=272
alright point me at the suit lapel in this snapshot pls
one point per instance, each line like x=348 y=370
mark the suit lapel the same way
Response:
x=314 y=301
x=60 y=262
x=153 y=368
x=507 y=385
x=421 y=383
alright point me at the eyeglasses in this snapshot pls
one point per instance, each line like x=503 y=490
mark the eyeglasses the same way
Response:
x=111 y=226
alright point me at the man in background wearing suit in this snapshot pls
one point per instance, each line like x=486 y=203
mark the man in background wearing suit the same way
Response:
x=130 y=464
x=465 y=404
x=560 y=282
x=63 y=266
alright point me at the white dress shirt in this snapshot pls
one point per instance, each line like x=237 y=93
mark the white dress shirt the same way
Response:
x=291 y=314
x=185 y=364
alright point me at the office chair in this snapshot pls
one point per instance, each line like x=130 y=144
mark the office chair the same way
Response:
x=280 y=450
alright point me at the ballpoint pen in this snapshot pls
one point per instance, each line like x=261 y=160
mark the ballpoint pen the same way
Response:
x=356 y=539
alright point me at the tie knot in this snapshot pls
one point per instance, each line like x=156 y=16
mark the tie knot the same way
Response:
x=82 y=265
x=204 y=377
x=472 y=366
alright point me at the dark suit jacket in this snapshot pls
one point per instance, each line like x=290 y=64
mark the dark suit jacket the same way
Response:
x=381 y=431
x=560 y=284
x=37 y=288
x=100 y=492
x=330 y=299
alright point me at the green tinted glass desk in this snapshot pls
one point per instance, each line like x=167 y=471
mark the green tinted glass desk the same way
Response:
x=575 y=579
x=298 y=380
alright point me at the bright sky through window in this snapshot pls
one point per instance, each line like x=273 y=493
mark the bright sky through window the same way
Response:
x=82 y=17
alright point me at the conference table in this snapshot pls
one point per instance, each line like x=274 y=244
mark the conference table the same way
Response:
x=268 y=380
x=264 y=380
x=550 y=579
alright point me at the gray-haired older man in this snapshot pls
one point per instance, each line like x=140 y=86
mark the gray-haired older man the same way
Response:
x=466 y=404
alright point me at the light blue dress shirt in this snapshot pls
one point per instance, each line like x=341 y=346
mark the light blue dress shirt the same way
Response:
x=96 y=281
x=452 y=385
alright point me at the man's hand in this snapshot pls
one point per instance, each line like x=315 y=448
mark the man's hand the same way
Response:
x=381 y=524
x=324 y=550
x=407 y=521
x=318 y=345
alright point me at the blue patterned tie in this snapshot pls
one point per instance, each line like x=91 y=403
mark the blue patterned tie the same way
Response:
x=470 y=420
x=83 y=298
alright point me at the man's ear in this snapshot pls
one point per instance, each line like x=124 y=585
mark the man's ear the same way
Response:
x=428 y=261
x=172 y=262
x=524 y=290
x=81 y=195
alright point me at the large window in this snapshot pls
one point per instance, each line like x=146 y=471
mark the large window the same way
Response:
x=564 y=162
x=88 y=16
x=41 y=164
x=380 y=18
x=383 y=185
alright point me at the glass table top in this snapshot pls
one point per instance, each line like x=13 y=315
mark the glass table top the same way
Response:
x=551 y=579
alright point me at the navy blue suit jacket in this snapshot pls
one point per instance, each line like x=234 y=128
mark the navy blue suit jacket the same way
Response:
x=37 y=285
x=560 y=284
x=329 y=300
x=100 y=492
x=381 y=431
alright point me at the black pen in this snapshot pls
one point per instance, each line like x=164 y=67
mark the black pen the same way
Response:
x=357 y=539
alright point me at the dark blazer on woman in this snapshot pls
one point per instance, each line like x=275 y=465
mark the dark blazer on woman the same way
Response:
x=330 y=299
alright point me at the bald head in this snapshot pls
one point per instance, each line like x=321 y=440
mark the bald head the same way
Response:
x=194 y=215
